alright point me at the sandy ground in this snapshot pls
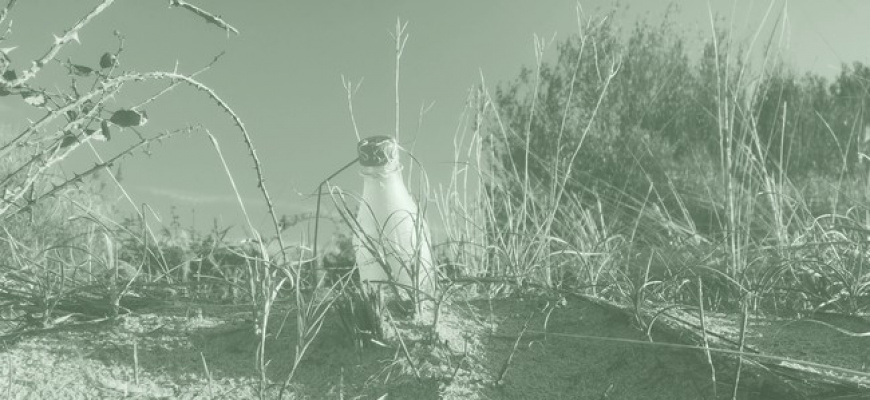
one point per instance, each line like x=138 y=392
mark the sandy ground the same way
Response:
x=208 y=352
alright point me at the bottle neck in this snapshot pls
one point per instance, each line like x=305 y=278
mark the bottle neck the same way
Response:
x=383 y=173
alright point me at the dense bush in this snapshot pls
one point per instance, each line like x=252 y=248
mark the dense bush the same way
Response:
x=692 y=166
x=655 y=135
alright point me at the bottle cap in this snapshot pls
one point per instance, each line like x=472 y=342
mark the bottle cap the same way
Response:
x=378 y=151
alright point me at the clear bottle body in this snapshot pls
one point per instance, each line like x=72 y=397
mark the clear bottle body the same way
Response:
x=393 y=242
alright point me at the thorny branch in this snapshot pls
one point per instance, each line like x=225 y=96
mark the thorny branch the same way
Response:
x=72 y=106
x=174 y=84
x=115 y=84
x=71 y=34
x=96 y=168
x=53 y=159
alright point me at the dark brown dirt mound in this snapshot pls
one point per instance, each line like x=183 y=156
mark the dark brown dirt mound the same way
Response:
x=564 y=367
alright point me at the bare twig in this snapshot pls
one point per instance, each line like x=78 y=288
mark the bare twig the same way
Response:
x=351 y=90
x=209 y=17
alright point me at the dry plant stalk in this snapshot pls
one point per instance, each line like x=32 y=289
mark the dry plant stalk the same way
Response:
x=400 y=38
x=703 y=319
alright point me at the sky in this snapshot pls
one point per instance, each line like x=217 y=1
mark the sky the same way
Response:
x=283 y=77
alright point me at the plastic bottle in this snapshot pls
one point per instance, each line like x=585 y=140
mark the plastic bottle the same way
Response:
x=392 y=242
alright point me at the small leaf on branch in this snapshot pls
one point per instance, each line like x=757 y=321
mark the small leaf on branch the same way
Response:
x=128 y=118
x=108 y=60
x=81 y=70
x=104 y=129
x=87 y=106
x=69 y=139
x=8 y=76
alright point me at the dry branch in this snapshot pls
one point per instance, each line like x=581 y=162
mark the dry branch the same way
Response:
x=99 y=167
x=209 y=17
x=60 y=41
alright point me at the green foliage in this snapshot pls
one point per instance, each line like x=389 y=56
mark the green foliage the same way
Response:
x=825 y=123
x=695 y=165
x=661 y=112
x=648 y=121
